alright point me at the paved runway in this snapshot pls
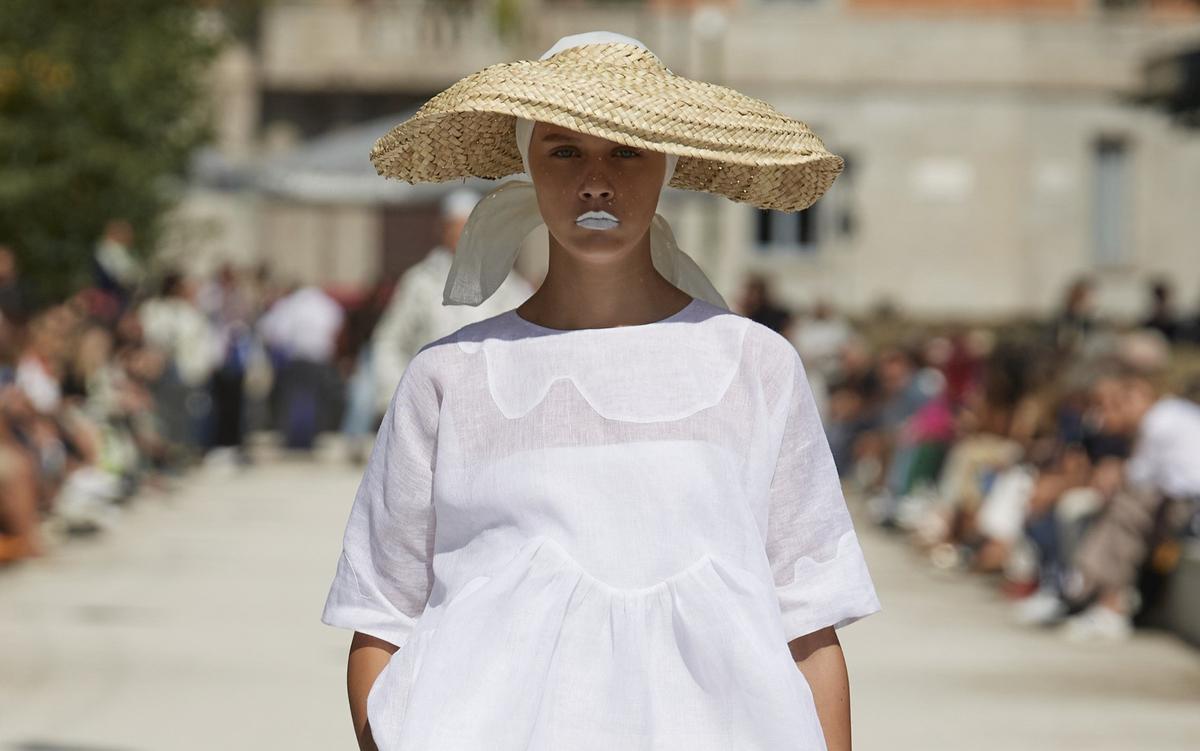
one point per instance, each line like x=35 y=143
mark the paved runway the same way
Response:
x=195 y=626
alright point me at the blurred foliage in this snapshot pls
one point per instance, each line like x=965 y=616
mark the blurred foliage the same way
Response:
x=101 y=105
x=506 y=19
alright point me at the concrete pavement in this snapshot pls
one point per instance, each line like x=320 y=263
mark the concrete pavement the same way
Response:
x=195 y=626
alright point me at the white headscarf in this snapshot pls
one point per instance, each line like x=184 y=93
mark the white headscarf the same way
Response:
x=500 y=222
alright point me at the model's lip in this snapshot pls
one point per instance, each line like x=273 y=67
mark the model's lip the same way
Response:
x=598 y=220
x=601 y=224
x=603 y=216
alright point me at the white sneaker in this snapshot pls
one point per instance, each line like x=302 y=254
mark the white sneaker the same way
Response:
x=879 y=507
x=1098 y=623
x=1041 y=608
x=946 y=556
x=83 y=510
x=912 y=511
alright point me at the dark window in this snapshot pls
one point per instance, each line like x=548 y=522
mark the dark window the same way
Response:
x=804 y=231
x=316 y=112
x=763 y=226
x=1110 y=201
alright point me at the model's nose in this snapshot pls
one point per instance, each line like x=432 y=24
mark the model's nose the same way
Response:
x=596 y=187
x=589 y=194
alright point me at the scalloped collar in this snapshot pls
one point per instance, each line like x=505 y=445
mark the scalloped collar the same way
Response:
x=653 y=372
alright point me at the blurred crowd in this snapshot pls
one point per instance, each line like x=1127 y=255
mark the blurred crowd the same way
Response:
x=1058 y=458
x=142 y=375
x=148 y=372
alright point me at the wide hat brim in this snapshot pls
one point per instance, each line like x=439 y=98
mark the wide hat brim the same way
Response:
x=727 y=143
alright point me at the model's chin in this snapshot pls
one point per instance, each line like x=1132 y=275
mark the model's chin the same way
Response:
x=592 y=238
x=595 y=245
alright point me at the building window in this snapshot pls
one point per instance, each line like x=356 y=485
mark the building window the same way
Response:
x=1110 y=201
x=804 y=232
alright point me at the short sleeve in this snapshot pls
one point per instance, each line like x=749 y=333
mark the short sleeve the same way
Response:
x=820 y=573
x=385 y=574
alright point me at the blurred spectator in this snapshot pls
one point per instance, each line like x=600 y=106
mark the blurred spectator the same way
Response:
x=847 y=420
x=1158 y=501
x=359 y=422
x=117 y=271
x=15 y=300
x=1162 y=316
x=416 y=316
x=173 y=323
x=964 y=365
x=819 y=338
x=1076 y=319
x=63 y=417
x=758 y=305
x=1021 y=455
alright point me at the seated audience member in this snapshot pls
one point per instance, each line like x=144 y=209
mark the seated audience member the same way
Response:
x=1157 y=500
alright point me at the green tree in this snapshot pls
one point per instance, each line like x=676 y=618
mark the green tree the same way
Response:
x=101 y=105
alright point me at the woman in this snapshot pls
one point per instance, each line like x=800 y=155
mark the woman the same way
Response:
x=599 y=520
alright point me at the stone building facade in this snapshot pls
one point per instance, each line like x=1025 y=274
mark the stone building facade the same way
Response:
x=996 y=149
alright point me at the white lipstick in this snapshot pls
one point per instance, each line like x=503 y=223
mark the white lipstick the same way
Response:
x=597 y=220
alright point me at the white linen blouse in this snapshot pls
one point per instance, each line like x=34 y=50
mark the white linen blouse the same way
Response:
x=599 y=539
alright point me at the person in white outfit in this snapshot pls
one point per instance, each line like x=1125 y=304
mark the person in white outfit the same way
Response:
x=304 y=326
x=416 y=316
x=607 y=518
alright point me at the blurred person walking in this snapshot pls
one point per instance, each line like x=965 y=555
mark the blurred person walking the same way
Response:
x=230 y=310
x=303 y=328
x=416 y=314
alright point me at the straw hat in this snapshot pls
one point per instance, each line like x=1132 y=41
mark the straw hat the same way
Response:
x=727 y=143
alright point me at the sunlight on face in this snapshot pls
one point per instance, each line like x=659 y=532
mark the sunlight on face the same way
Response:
x=595 y=195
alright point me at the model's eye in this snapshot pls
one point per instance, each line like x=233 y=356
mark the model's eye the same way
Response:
x=631 y=152
x=558 y=151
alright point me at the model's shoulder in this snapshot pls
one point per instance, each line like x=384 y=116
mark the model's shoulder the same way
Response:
x=446 y=350
x=771 y=356
x=766 y=352
x=764 y=345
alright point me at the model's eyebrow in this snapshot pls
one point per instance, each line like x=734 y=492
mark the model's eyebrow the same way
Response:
x=558 y=137
x=566 y=138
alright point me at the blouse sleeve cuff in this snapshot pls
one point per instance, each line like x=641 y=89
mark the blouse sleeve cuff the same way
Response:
x=347 y=607
x=836 y=592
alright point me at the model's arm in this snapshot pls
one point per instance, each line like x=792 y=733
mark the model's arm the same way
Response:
x=368 y=657
x=819 y=656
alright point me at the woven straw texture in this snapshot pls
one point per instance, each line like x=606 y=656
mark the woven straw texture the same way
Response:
x=728 y=143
